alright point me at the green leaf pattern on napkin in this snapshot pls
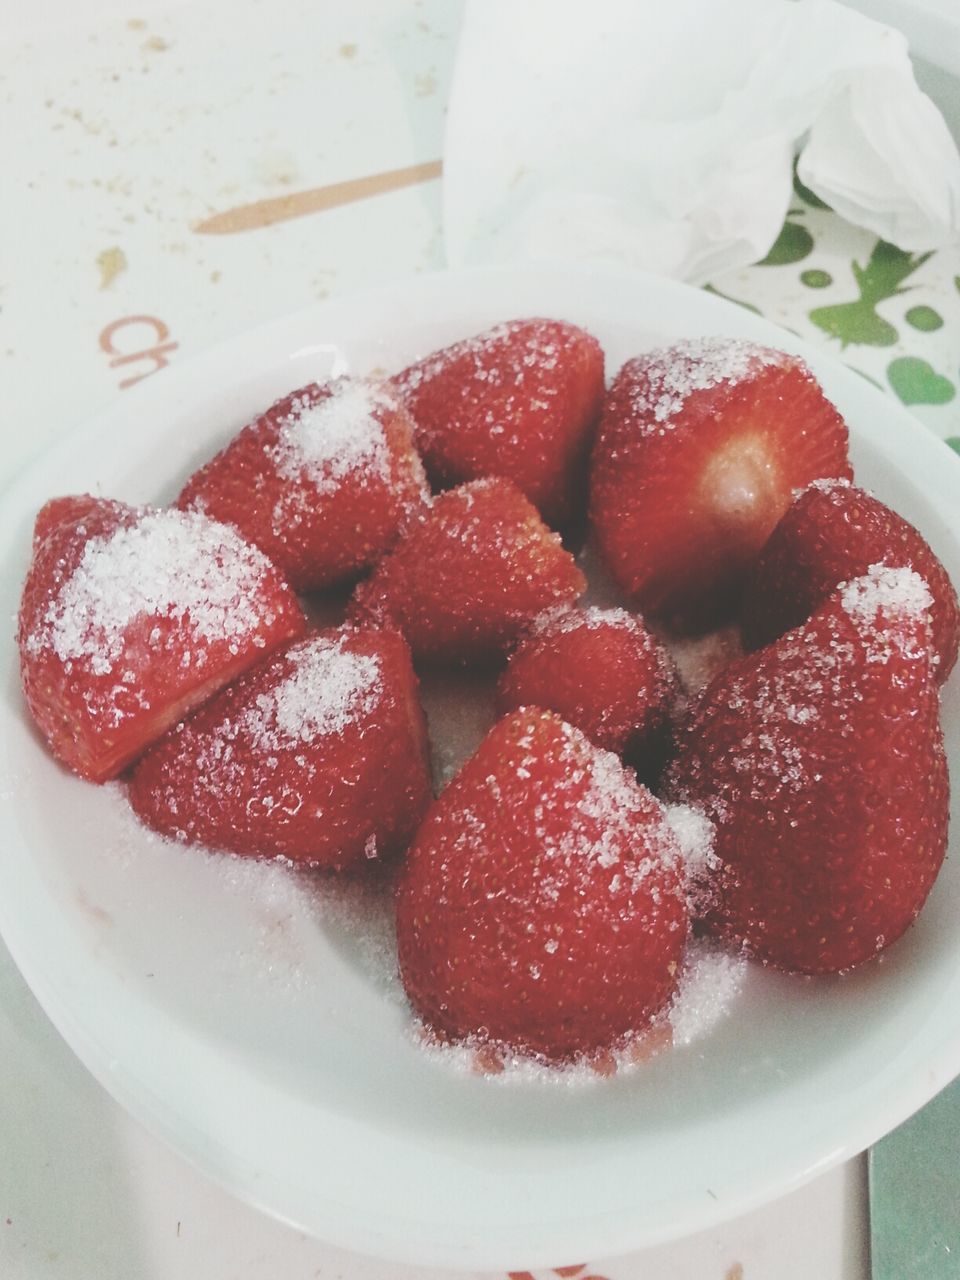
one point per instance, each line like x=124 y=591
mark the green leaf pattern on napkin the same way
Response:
x=792 y=244
x=915 y=382
x=881 y=278
x=893 y=315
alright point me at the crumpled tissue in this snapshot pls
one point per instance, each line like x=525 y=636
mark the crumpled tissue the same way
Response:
x=663 y=135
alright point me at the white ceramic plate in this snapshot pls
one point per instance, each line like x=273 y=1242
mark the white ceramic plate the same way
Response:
x=237 y=1016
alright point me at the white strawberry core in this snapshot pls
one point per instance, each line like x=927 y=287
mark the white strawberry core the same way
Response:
x=740 y=484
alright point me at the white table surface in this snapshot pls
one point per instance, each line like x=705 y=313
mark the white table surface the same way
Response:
x=124 y=124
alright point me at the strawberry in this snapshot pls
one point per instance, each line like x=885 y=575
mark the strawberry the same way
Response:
x=319 y=756
x=541 y=907
x=820 y=760
x=834 y=532
x=321 y=482
x=130 y=617
x=601 y=670
x=699 y=450
x=468 y=575
x=520 y=400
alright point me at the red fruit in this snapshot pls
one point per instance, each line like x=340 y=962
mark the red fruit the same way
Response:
x=541 y=906
x=321 y=482
x=820 y=760
x=834 y=532
x=131 y=617
x=699 y=451
x=601 y=670
x=469 y=575
x=319 y=756
x=520 y=400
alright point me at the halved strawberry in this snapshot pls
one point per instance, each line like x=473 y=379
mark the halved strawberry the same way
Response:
x=601 y=670
x=700 y=448
x=130 y=617
x=321 y=482
x=541 y=907
x=834 y=532
x=469 y=574
x=520 y=400
x=820 y=760
x=319 y=756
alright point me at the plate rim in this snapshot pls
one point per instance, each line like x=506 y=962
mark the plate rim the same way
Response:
x=183 y=380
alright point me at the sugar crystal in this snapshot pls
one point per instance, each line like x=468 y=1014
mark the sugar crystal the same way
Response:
x=169 y=564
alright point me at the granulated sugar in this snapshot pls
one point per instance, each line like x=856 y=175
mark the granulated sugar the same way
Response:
x=263 y=906
x=169 y=564
x=328 y=688
x=827 y=484
x=700 y=658
x=878 y=600
x=562 y=619
x=667 y=377
x=895 y=592
x=710 y=981
x=361 y=913
x=602 y=825
x=328 y=439
x=695 y=835
x=479 y=360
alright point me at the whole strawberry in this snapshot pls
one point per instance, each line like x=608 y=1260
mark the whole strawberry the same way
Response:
x=131 y=617
x=820 y=760
x=541 y=907
x=834 y=532
x=468 y=575
x=318 y=756
x=601 y=670
x=520 y=400
x=699 y=450
x=322 y=482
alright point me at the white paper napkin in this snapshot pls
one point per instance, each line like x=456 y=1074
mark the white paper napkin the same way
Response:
x=662 y=134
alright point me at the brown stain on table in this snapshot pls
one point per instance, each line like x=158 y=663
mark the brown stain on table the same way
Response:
x=112 y=263
x=266 y=213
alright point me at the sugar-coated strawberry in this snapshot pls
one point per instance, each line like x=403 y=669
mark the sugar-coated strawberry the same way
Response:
x=834 y=532
x=699 y=450
x=520 y=400
x=820 y=760
x=541 y=908
x=321 y=482
x=468 y=575
x=601 y=670
x=319 y=756
x=131 y=617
